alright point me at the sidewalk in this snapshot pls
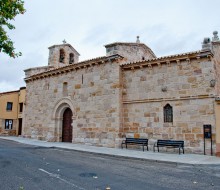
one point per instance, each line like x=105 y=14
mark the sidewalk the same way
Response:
x=126 y=153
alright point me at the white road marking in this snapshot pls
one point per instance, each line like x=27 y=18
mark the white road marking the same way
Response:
x=61 y=179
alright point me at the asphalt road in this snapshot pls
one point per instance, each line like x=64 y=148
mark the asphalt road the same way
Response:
x=25 y=167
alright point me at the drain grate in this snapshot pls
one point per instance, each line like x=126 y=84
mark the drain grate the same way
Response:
x=94 y=175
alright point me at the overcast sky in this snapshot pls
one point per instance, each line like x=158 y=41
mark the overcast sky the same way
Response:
x=166 y=26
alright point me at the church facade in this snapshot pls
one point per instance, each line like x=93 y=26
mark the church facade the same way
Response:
x=127 y=93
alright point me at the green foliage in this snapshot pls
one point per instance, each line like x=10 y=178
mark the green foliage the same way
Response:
x=8 y=10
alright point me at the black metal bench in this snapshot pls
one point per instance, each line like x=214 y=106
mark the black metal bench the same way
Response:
x=169 y=143
x=140 y=141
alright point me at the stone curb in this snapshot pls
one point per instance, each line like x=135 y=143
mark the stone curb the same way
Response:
x=111 y=155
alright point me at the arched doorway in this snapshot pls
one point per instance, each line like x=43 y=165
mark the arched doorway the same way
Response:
x=67 y=127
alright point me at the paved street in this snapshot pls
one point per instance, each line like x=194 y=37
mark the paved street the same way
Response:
x=30 y=167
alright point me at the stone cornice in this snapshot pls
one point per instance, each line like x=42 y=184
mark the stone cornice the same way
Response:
x=168 y=59
x=69 y=68
x=205 y=96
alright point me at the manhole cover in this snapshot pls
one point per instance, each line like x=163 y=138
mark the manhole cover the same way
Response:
x=88 y=175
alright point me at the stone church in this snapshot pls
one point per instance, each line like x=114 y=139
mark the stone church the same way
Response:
x=130 y=92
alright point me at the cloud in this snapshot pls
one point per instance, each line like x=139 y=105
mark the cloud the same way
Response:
x=167 y=27
x=8 y=86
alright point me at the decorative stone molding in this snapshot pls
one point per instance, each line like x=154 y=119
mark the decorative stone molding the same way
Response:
x=205 y=96
x=61 y=105
x=71 y=67
x=204 y=54
x=215 y=37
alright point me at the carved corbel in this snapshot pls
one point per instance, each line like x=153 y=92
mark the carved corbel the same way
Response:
x=178 y=62
x=141 y=66
x=188 y=60
x=209 y=57
x=168 y=63
x=117 y=60
x=159 y=65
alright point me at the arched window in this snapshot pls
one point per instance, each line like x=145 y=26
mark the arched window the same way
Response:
x=168 y=113
x=62 y=56
x=71 y=58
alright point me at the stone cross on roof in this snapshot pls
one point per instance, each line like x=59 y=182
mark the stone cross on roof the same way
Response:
x=138 y=40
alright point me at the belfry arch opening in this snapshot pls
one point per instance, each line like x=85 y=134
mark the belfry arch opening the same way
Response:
x=71 y=58
x=62 y=56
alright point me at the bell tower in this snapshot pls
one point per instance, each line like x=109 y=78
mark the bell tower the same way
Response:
x=62 y=55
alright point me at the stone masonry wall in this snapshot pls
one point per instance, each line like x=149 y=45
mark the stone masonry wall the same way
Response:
x=145 y=120
x=181 y=80
x=94 y=93
x=54 y=55
x=216 y=59
x=187 y=90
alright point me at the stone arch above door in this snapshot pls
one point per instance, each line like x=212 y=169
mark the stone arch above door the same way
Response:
x=60 y=107
x=57 y=116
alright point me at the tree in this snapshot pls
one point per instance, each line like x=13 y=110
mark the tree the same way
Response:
x=8 y=10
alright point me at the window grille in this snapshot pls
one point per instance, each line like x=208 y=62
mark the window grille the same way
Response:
x=168 y=113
